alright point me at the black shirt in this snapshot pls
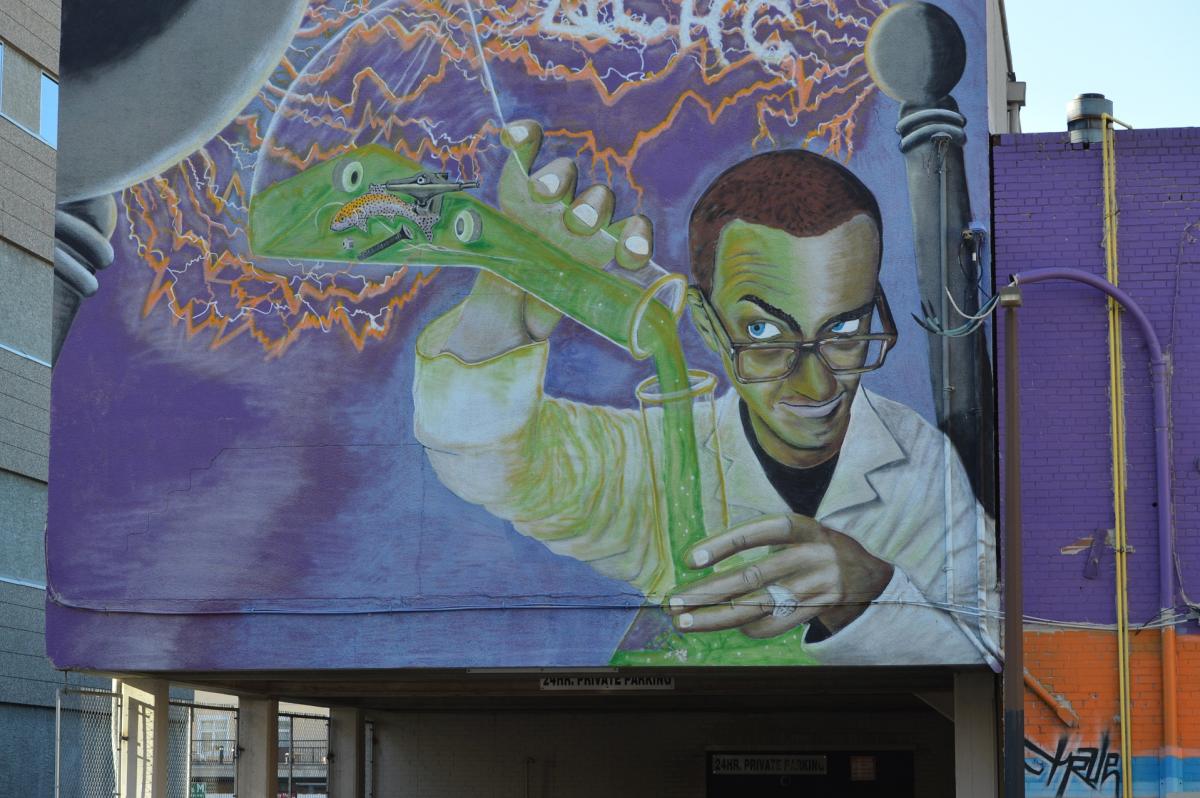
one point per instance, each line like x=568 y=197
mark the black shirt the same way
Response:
x=801 y=488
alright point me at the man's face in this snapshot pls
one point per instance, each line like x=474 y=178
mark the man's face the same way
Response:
x=769 y=285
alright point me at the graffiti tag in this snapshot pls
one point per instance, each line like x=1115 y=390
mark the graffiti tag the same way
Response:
x=1092 y=766
x=609 y=20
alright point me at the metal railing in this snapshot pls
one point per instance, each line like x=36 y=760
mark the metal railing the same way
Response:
x=213 y=752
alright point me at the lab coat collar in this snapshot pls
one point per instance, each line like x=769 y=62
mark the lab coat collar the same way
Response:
x=869 y=445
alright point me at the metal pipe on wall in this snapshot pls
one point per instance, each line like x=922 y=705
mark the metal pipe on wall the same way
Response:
x=1116 y=387
x=1171 y=778
x=1014 y=631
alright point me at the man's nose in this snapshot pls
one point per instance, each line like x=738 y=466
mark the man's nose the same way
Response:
x=812 y=379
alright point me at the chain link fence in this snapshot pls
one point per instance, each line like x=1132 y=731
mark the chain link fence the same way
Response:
x=303 y=755
x=202 y=749
x=87 y=757
x=212 y=746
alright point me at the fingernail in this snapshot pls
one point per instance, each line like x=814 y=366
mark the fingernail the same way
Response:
x=518 y=133
x=637 y=245
x=685 y=621
x=586 y=214
x=550 y=182
x=701 y=557
x=675 y=603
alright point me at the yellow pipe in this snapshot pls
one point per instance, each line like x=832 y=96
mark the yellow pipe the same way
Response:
x=1117 y=428
x=1170 y=709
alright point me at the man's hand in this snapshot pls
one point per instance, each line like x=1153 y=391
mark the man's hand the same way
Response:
x=812 y=572
x=497 y=316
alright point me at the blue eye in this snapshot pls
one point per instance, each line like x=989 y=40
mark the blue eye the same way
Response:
x=762 y=330
x=846 y=327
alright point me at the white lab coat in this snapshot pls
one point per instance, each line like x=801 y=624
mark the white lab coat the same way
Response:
x=575 y=476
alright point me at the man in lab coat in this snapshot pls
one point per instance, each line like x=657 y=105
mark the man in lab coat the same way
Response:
x=849 y=513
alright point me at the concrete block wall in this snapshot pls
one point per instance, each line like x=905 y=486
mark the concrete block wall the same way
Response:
x=1048 y=211
x=33 y=26
x=29 y=30
x=27 y=174
x=598 y=754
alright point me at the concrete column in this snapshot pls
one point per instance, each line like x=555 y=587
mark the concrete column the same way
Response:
x=975 y=743
x=145 y=731
x=393 y=736
x=258 y=748
x=346 y=753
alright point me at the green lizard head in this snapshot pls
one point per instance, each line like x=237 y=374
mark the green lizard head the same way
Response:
x=369 y=207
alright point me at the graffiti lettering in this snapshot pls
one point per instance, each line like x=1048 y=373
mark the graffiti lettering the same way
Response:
x=602 y=19
x=1092 y=766
x=609 y=21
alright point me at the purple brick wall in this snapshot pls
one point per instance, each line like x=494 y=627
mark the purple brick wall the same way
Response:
x=1049 y=212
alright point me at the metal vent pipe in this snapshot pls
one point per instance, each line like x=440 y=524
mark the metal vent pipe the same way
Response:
x=1085 y=118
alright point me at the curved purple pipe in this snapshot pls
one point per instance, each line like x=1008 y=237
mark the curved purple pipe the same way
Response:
x=1162 y=453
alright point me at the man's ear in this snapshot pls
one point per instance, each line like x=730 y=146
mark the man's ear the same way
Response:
x=701 y=319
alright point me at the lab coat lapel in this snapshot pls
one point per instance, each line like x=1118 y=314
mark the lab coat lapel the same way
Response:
x=746 y=485
x=869 y=445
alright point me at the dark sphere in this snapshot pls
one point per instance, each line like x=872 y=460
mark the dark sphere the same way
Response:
x=124 y=27
x=916 y=52
x=145 y=84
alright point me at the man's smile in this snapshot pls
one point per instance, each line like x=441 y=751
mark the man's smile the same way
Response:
x=807 y=409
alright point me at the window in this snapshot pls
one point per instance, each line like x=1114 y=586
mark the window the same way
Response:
x=28 y=96
x=48 y=123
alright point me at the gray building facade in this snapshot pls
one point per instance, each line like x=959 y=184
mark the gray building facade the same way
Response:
x=29 y=54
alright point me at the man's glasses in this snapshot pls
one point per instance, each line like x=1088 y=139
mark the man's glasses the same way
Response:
x=766 y=361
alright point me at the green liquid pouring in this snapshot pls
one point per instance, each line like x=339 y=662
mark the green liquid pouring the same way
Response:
x=472 y=234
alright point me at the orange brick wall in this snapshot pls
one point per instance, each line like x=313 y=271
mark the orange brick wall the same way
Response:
x=1080 y=667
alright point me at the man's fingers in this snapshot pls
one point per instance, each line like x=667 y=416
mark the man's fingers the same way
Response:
x=794 y=601
x=524 y=139
x=775 y=530
x=591 y=211
x=635 y=242
x=554 y=182
x=773 y=625
x=760 y=613
x=727 y=585
x=725 y=616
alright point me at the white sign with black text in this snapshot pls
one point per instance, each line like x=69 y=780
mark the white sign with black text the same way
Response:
x=608 y=682
x=769 y=765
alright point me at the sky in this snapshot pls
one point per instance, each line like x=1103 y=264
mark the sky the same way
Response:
x=1144 y=55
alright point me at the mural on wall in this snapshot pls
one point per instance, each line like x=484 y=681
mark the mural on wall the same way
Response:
x=401 y=352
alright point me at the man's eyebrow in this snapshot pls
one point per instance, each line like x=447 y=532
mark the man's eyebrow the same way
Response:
x=774 y=311
x=850 y=315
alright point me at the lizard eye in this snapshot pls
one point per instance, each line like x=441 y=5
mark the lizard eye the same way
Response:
x=348 y=176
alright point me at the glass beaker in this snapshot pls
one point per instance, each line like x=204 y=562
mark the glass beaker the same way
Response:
x=663 y=417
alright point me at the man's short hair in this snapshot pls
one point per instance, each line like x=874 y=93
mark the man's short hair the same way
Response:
x=796 y=191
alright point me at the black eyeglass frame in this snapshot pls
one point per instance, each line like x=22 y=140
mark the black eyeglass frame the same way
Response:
x=735 y=348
